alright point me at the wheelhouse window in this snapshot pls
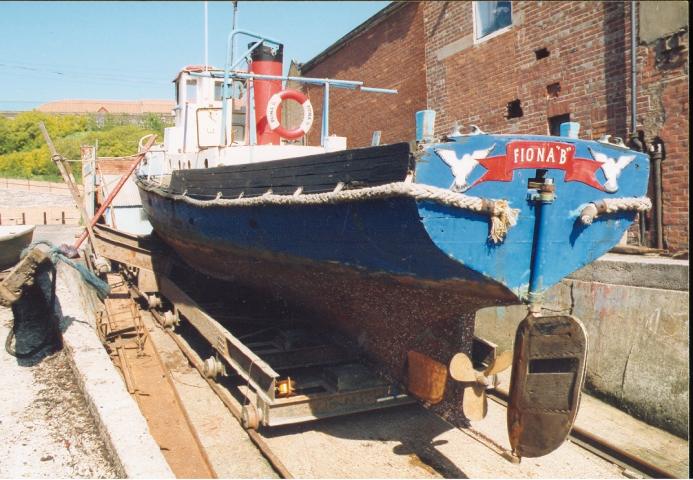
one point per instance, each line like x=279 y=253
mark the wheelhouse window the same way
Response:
x=191 y=91
x=218 y=91
x=491 y=18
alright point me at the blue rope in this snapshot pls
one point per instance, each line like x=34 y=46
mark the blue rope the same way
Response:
x=102 y=288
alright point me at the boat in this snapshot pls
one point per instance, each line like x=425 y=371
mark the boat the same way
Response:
x=395 y=245
x=13 y=239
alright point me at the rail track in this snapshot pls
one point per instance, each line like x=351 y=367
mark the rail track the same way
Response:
x=633 y=466
x=628 y=464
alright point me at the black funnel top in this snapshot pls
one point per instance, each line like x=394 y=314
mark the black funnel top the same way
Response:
x=264 y=53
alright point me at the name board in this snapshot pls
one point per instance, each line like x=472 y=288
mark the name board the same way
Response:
x=540 y=155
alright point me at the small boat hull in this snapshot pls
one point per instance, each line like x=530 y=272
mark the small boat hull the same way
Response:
x=14 y=239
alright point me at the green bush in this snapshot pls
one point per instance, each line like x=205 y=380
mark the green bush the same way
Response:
x=23 y=152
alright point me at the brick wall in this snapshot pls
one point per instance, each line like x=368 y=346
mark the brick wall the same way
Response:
x=663 y=112
x=389 y=55
x=473 y=82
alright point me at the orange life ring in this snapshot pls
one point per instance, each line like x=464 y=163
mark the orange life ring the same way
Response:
x=273 y=107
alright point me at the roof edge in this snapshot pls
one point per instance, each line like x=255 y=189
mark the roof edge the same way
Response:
x=366 y=25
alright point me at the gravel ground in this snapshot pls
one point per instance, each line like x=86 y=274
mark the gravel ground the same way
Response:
x=27 y=198
x=46 y=430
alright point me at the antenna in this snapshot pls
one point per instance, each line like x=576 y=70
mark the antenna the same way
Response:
x=206 y=39
x=233 y=25
x=235 y=9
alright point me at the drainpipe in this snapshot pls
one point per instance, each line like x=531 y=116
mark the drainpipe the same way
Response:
x=633 y=69
x=634 y=97
x=657 y=155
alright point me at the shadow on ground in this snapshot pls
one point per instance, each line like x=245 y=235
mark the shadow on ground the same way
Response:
x=416 y=432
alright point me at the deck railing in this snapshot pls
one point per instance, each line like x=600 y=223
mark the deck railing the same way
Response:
x=230 y=74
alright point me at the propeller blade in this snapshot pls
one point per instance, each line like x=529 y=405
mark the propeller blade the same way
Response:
x=461 y=368
x=500 y=363
x=474 y=403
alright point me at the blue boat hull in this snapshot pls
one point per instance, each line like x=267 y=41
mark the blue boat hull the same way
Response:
x=425 y=239
x=387 y=313
x=400 y=273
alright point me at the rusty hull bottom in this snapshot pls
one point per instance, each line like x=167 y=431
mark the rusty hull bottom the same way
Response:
x=386 y=315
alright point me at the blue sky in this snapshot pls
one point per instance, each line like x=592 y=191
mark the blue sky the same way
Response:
x=132 y=50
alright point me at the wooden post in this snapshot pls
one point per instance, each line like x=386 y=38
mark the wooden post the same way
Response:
x=88 y=177
x=22 y=274
x=66 y=173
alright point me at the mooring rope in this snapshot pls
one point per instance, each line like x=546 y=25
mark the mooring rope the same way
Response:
x=611 y=205
x=502 y=217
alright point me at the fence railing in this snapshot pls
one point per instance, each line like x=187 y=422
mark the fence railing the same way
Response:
x=40 y=215
x=35 y=186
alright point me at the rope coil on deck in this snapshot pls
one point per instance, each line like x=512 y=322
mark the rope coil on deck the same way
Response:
x=612 y=205
x=501 y=215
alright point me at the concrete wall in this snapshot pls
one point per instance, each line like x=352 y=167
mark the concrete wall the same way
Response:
x=36 y=186
x=636 y=314
x=662 y=18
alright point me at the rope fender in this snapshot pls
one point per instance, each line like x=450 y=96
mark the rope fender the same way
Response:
x=611 y=205
x=502 y=217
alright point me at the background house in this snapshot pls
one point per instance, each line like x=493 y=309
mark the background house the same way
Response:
x=130 y=111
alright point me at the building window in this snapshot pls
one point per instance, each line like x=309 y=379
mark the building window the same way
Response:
x=491 y=18
x=191 y=91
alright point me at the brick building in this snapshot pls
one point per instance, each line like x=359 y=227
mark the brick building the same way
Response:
x=522 y=67
x=385 y=51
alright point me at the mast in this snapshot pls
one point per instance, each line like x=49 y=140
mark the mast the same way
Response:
x=206 y=40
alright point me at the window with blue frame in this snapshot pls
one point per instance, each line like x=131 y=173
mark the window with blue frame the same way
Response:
x=490 y=17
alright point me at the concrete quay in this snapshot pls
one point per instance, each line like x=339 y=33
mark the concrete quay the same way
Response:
x=106 y=436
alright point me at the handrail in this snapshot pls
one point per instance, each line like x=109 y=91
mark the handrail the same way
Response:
x=230 y=74
x=234 y=64
x=336 y=83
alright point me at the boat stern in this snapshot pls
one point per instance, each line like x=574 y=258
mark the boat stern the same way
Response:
x=572 y=200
